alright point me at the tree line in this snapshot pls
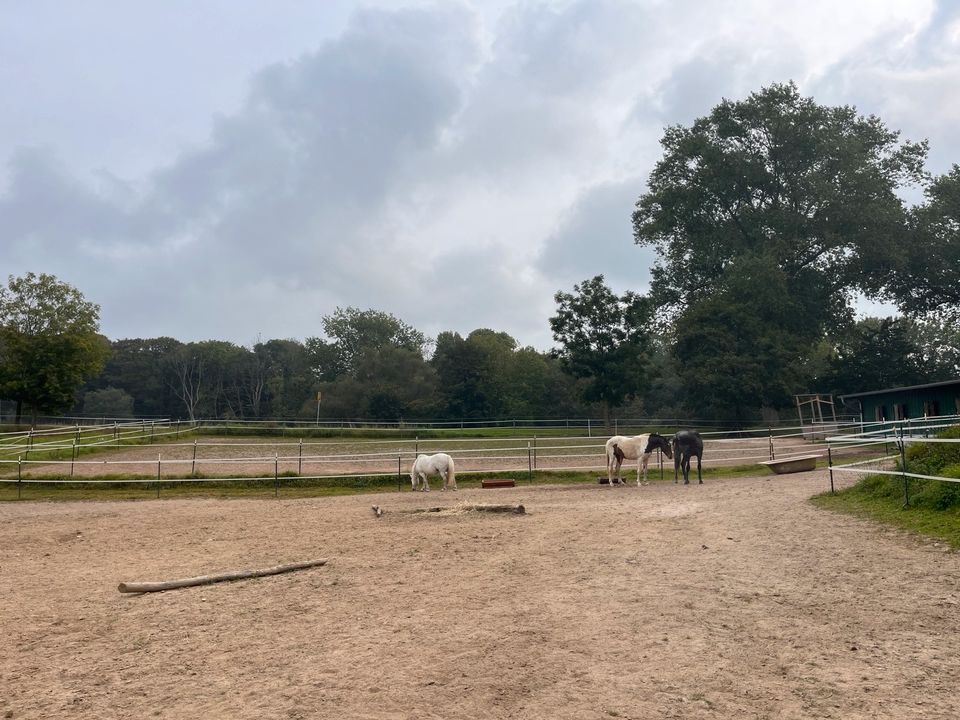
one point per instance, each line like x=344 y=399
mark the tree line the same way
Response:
x=769 y=217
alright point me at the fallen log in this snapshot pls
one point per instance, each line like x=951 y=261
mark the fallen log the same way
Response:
x=515 y=509
x=140 y=587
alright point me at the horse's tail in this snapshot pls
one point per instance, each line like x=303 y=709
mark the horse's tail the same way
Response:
x=452 y=472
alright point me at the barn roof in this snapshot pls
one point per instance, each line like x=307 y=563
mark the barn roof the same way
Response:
x=944 y=383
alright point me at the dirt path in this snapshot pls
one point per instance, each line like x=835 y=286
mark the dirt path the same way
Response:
x=736 y=599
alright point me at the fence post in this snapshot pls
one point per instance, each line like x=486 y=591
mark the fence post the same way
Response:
x=116 y=432
x=276 y=474
x=398 y=472
x=19 y=479
x=73 y=451
x=158 y=476
x=529 y=462
x=178 y=428
x=903 y=470
x=300 y=459
x=770 y=437
x=589 y=433
x=830 y=466
x=416 y=445
x=534 y=452
x=193 y=466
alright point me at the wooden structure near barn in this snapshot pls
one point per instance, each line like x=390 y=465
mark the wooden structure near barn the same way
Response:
x=821 y=415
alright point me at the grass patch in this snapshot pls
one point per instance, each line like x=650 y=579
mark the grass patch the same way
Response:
x=927 y=507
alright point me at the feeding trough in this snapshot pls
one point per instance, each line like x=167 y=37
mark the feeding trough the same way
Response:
x=497 y=483
x=798 y=463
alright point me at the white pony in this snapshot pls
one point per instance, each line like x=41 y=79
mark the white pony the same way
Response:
x=621 y=447
x=425 y=465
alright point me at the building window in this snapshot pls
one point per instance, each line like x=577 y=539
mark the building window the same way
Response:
x=931 y=408
x=880 y=412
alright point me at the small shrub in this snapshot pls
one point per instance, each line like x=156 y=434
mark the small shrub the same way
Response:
x=932 y=458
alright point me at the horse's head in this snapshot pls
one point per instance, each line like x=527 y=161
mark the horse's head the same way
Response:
x=657 y=441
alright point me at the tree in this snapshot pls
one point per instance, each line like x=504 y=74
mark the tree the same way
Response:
x=926 y=277
x=49 y=335
x=110 y=402
x=742 y=348
x=774 y=191
x=876 y=353
x=811 y=187
x=289 y=383
x=602 y=340
x=353 y=333
x=140 y=367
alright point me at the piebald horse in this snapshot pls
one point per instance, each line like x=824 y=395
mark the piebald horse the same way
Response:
x=621 y=447
x=425 y=465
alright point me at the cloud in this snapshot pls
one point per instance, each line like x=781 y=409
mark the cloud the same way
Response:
x=453 y=165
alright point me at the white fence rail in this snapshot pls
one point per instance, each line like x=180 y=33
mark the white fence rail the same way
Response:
x=898 y=436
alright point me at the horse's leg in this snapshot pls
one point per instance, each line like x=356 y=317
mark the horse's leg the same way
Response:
x=676 y=465
x=686 y=469
x=698 y=470
x=643 y=461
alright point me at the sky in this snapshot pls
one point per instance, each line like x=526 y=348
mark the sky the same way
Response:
x=237 y=170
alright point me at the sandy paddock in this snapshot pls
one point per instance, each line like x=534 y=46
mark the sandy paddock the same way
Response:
x=735 y=599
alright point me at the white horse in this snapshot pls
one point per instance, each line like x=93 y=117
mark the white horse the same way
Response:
x=425 y=465
x=623 y=447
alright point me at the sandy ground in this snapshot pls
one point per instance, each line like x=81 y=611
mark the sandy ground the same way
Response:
x=735 y=599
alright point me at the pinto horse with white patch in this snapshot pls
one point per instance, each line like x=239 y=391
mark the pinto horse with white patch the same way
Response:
x=425 y=465
x=623 y=447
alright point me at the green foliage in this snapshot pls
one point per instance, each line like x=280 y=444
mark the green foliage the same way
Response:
x=934 y=458
x=49 y=342
x=109 y=402
x=875 y=353
x=927 y=278
x=934 y=507
x=603 y=340
x=768 y=214
x=137 y=366
x=356 y=333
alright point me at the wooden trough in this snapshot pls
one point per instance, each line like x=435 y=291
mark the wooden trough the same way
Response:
x=497 y=483
x=799 y=463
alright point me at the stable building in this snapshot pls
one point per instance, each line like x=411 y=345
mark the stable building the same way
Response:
x=903 y=403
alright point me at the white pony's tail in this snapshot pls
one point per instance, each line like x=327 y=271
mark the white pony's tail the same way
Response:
x=452 y=474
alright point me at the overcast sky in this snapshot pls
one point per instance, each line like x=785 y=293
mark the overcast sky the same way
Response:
x=237 y=169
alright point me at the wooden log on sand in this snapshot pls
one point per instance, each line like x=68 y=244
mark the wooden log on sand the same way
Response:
x=515 y=509
x=140 y=587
